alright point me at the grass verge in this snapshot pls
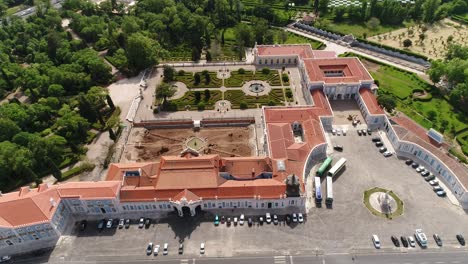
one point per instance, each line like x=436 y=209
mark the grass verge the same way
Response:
x=398 y=211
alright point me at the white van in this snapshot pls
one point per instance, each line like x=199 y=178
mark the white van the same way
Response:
x=376 y=241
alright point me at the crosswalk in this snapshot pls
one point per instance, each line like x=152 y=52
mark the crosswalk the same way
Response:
x=184 y=261
x=279 y=259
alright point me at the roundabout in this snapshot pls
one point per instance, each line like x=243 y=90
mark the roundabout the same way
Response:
x=382 y=202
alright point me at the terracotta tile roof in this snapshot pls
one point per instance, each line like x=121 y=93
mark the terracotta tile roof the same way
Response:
x=371 y=102
x=415 y=128
x=244 y=167
x=31 y=207
x=459 y=170
x=90 y=190
x=303 y=51
x=116 y=170
x=352 y=68
x=186 y=194
x=323 y=54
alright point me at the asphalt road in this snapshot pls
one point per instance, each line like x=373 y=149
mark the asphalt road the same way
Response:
x=445 y=257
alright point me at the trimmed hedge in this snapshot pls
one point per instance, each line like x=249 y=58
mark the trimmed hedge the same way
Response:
x=77 y=170
x=460 y=19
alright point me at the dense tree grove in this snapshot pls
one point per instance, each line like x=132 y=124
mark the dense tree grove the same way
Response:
x=454 y=71
x=62 y=79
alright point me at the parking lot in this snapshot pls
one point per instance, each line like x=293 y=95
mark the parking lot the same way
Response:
x=345 y=228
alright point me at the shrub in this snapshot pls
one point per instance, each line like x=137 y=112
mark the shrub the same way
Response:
x=181 y=73
x=243 y=105
x=197 y=78
x=289 y=94
x=201 y=106
x=241 y=71
x=207 y=94
x=266 y=70
x=271 y=103
x=86 y=166
x=155 y=110
x=197 y=96
x=285 y=77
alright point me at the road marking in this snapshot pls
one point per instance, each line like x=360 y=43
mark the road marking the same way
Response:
x=184 y=261
x=291 y=259
x=279 y=259
x=440 y=262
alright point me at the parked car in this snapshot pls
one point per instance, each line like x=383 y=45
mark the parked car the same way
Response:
x=149 y=248
x=382 y=149
x=395 y=241
x=165 y=249
x=147 y=222
x=420 y=168
x=344 y=132
x=260 y=220
x=275 y=220
x=241 y=219
x=294 y=218
x=127 y=223
x=216 y=220
x=376 y=241
x=83 y=225
x=421 y=237
x=141 y=223
x=425 y=173
x=235 y=221
x=434 y=182
x=387 y=154
x=376 y=139
x=437 y=239
x=359 y=132
x=181 y=248
x=268 y=218
x=379 y=144
x=333 y=131
x=5 y=258
x=288 y=219
x=437 y=188
x=223 y=219
x=429 y=178
x=300 y=218
x=109 y=223
x=409 y=162
x=414 y=165
x=404 y=241
x=369 y=132
x=411 y=241
x=461 y=239
x=249 y=221
x=156 y=250
x=228 y=221
x=338 y=147
x=121 y=223
x=202 y=248
x=363 y=132
x=101 y=224
x=441 y=193
x=338 y=132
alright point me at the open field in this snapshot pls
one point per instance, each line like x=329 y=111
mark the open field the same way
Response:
x=360 y=29
x=435 y=39
x=225 y=141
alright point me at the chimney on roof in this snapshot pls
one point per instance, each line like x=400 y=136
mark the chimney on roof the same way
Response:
x=24 y=190
x=42 y=187
x=52 y=202
x=253 y=172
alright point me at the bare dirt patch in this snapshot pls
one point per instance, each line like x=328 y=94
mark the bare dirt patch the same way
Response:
x=150 y=145
x=434 y=42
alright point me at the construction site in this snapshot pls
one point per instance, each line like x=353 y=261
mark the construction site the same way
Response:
x=150 y=144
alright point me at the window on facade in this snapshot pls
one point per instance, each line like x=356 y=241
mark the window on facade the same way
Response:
x=277 y=61
x=284 y=60
x=276 y=204
x=259 y=61
x=213 y=205
x=204 y=205
x=289 y=60
x=139 y=207
x=263 y=205
x=131 y=207
x=295 y=60
x=147 y=207
x=271 y=61
x=160 y=206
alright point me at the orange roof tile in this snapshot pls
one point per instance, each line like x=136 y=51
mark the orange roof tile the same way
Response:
x=187 y=195
x=371 y=102
x=90 y=190
x=352 y=68
x=304 y=51
x=415 y=128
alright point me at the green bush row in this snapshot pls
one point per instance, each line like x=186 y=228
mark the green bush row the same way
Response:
x=460 y=19
x=86 y=166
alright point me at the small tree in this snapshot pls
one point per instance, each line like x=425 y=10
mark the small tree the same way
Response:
x=407 y=43
x=112 y=134
x=241 y=71
x=208 y=56
x=197 y=79
x=195 y=54
x=432 y=115
x=207 y=94
x=243 y=105
x=110 y=102
x=165 y=90
x=386 y=101
x=289 y=94
x=181 y=73
x=197 y=96
x=201 y=106
x=285 y=77
x=373 y=23
x=266 y=70
x=169 y=73
x=207 y=78
x=271 y=103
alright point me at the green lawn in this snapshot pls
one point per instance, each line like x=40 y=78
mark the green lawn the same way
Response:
x=15 y=9
x=189 y=80
x=188 y=101
x=297 y=39
x=275 y=97
x=399 y=83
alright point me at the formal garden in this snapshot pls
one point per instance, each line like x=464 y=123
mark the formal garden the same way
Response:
x=239 y=100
